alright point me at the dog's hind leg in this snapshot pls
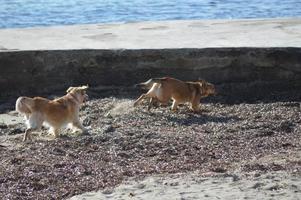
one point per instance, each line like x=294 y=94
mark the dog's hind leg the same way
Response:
x=152 y=93
x=152 y=103
x=27 y=132
x=34 y=122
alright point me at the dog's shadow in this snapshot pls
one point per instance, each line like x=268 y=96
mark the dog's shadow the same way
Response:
x=200 y=119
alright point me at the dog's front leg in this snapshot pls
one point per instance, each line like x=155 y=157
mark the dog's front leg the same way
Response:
x=139 y=99
x=55 y=132
x=174 y=105
x=195 y=104
x=78 y=125
x=195 y=107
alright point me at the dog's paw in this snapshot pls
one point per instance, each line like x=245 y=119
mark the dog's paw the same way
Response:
x=26 y=139
x=175 y=110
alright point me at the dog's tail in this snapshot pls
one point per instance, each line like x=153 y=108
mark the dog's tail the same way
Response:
x=148 y=84
x=24 y=105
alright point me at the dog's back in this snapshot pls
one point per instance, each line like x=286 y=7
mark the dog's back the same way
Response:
x=176 y=89
x=27 y=105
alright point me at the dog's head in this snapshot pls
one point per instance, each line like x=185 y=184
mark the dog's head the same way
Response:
x=79 y=93
x=206 y=88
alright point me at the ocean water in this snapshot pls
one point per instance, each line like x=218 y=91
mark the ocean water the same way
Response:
x=30 y=13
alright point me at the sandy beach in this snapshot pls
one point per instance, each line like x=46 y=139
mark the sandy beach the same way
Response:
x=282 y=32
x=245 y=143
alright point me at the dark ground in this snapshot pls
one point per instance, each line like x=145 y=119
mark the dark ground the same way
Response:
x=128 y=142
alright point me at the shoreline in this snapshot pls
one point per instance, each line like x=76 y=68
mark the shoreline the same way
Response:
x=153 y=21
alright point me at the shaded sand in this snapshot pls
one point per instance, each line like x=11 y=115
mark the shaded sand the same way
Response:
x=277 y=185
x=11 y=118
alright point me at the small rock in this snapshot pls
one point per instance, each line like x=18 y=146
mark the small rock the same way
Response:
x=141 y=186
x=219 y=170
x=87 y=121
x=286 y=126
x=124 y=154
x=108 y=191
x=274 y=187
x=107 y=129
x=257 y=185
x=58 y=152
x=3 y=126
x=174 y=184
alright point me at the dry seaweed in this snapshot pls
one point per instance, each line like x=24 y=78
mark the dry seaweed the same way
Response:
x=128 y=142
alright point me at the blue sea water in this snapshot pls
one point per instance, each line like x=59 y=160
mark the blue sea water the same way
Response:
x=29 y=13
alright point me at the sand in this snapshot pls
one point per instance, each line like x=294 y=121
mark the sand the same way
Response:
x=277 y=185
x=281 y=32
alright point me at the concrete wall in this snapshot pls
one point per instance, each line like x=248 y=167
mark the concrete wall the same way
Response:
x=236 y=71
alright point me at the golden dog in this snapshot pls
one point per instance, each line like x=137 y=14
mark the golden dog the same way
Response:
x=55 y=113
x=164 y=89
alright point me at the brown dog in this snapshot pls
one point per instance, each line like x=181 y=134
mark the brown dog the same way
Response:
x=55 y=113
x=164 y=89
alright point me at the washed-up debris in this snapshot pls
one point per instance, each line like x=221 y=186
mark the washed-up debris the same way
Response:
x=124 y=142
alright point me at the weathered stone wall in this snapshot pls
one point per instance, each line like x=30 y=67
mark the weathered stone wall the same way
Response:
x=236 y=71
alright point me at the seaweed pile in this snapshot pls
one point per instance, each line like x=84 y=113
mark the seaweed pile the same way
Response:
x=128 y=142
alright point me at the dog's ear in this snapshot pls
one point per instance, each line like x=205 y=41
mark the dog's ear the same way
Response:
x=70 y=89
x=84 y=87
